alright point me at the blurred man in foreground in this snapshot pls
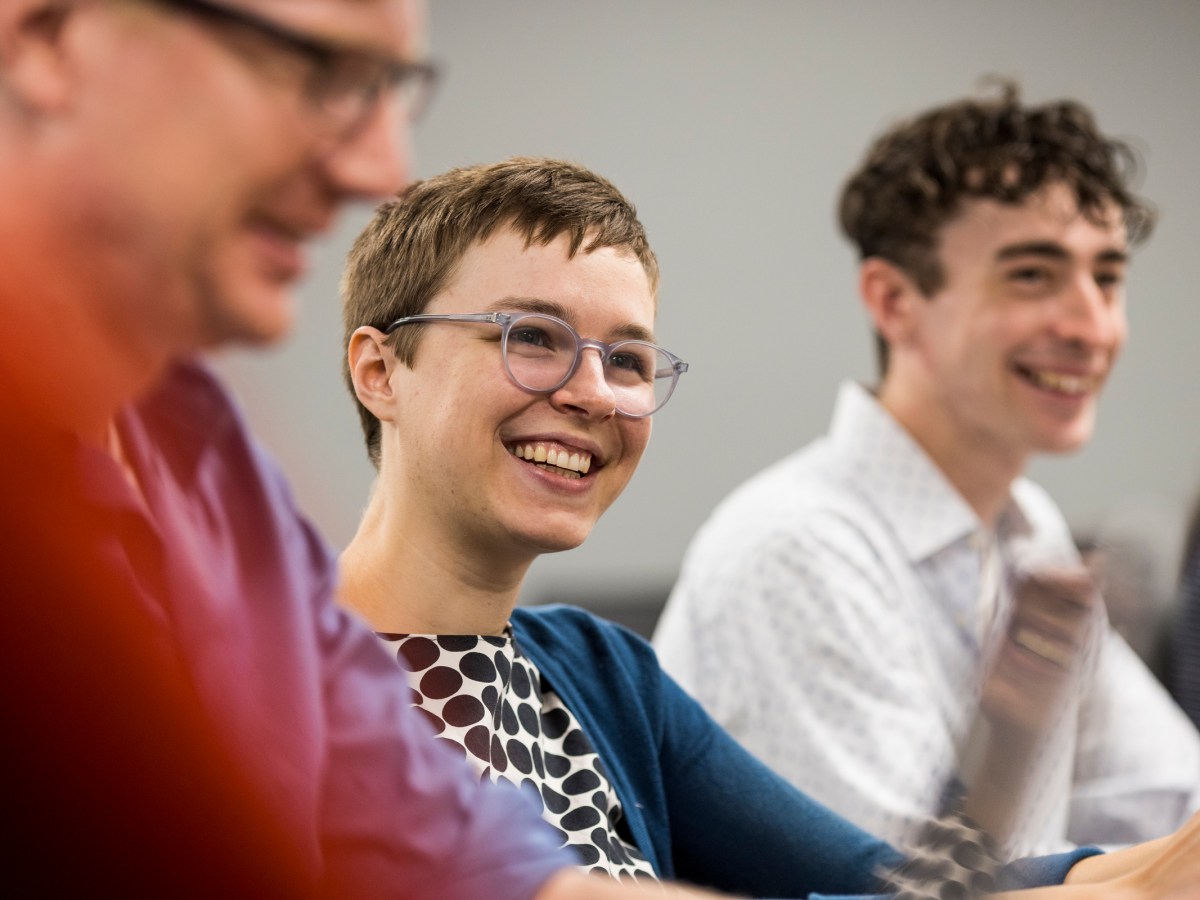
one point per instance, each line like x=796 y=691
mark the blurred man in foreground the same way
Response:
x=186 y=711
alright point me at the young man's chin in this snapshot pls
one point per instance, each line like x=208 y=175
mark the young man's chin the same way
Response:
x=1069 y=442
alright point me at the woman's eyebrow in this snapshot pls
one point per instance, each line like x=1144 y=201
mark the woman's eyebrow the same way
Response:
x=628 y=332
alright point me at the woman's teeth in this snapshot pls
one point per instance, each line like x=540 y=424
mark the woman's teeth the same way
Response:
x=571 y=464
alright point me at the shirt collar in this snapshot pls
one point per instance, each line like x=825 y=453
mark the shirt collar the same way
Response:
x=892 y=472
x=183 y=416
x=173 y=425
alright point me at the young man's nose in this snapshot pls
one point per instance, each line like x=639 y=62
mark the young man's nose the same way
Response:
x=1091 y=314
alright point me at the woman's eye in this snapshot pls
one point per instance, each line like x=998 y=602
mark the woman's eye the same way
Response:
x=632 y=364
x=534 y=337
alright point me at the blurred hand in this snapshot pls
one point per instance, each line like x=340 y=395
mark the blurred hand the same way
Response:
x=1031 y=673
x=1040 y=656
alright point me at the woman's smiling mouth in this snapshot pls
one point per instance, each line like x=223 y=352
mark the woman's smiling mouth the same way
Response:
x=567 y=463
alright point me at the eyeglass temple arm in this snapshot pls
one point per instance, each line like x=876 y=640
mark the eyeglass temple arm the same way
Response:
x=495 y=318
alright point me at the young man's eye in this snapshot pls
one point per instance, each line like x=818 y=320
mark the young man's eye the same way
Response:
x=1034 y=280
x=1029 y=275
x=1110 y=279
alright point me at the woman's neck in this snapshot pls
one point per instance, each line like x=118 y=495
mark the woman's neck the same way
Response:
x=404 y=579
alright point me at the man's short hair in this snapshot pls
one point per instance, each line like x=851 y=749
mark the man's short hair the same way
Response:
x=411 y=249
x=917 y=175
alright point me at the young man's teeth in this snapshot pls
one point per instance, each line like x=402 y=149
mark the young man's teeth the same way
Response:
x=576 y=463
x=1067 y=384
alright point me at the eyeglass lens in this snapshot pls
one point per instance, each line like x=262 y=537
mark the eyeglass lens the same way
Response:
x=540 y=353
x=343 y=85
x=347 y=88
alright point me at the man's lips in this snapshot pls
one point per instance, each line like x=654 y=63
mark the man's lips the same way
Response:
x=282 y=242
x=281 y=253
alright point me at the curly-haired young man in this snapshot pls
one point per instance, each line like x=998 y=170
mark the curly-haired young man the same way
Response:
x=838 y=613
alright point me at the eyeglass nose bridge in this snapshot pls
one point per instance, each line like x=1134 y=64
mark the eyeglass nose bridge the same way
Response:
x=581 y=344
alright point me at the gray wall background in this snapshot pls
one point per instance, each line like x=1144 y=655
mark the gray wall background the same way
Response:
x=731 y=125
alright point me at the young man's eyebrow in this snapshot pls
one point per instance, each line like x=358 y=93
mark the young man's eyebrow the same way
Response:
x=1052 y=250
x=1047 y=249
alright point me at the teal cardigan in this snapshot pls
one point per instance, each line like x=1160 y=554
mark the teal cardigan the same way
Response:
x=700 y=807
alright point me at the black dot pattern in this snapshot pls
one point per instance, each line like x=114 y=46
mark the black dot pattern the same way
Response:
x=951 y=859
x=484 y=697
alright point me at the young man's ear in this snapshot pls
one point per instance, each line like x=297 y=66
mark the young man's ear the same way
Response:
x=36 y=66
x=890 y=298
x=371 y=364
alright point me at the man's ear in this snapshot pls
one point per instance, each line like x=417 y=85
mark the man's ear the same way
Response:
x=35 y=59
x=890 y=298
x=371 y=365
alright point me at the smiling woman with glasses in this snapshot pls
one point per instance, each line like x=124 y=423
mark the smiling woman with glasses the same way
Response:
x=342 y=85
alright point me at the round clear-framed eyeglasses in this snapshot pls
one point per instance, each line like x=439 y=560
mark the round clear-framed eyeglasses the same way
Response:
x=542 y=352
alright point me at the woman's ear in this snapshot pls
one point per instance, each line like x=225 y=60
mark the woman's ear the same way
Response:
x=371 y=365
x=889 y=296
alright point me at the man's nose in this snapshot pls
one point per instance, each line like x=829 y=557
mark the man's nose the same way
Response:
x=375 y=160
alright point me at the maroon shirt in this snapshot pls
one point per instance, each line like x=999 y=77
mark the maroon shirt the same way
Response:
x=179 y=674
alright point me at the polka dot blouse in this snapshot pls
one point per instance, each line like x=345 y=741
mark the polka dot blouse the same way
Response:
x=488 y=701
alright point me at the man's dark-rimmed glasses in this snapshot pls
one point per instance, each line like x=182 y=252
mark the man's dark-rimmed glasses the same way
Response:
x=345 y=84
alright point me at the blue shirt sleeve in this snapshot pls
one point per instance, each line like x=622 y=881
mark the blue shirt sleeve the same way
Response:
x=1041 y=871
x=747 y=829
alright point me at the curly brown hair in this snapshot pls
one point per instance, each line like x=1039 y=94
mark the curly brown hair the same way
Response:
x=916 y=176
x=411 y=249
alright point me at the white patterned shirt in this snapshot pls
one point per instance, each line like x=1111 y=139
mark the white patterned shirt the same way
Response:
x=829 y=615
